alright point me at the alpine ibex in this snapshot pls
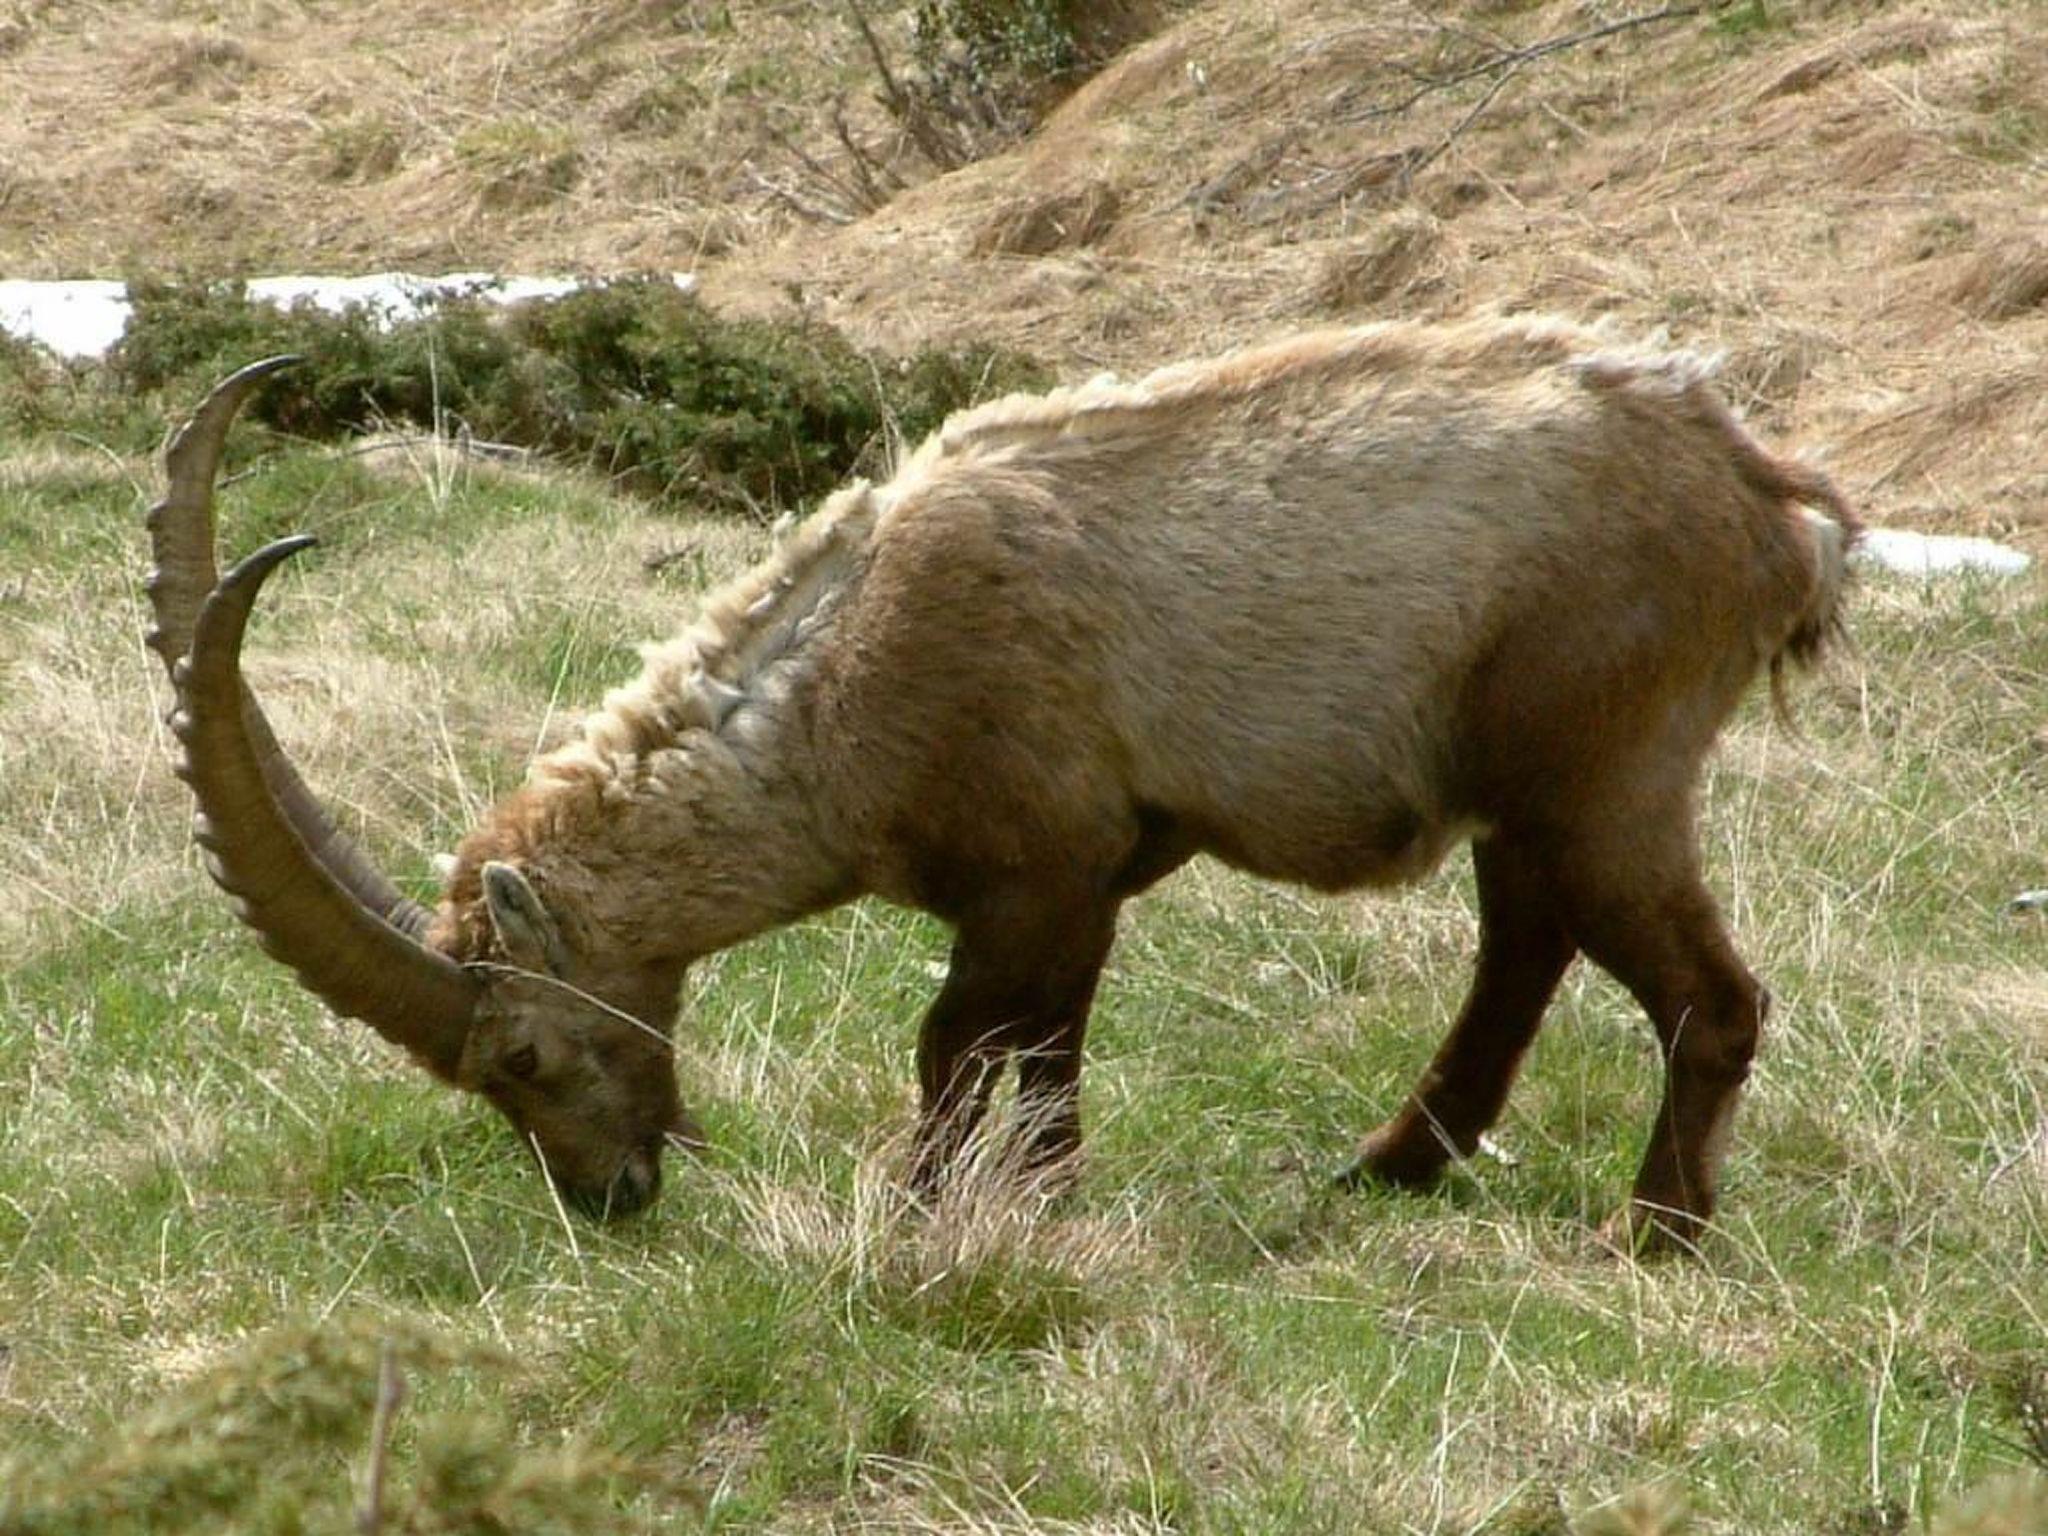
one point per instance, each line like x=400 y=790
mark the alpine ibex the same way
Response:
x=1322 y=609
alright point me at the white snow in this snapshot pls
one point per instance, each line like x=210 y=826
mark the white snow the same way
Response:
x=74 y=319
x=1937 y=554
x=84 y=318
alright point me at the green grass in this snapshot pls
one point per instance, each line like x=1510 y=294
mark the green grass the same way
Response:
x=218 y=1204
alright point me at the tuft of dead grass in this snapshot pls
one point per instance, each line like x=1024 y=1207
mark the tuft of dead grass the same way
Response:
x=1056 y=221
x=182 y=64
x=993 y=1260
x=1403 y=264
x=520 y=163
x=2006 y=282
x=1658 y=1510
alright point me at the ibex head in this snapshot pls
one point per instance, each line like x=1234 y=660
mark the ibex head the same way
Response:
x=510 y=1003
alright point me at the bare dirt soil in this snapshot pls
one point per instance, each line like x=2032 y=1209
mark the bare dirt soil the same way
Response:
x=1851 y=201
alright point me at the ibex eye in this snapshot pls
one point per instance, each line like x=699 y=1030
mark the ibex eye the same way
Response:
x=523 y=1062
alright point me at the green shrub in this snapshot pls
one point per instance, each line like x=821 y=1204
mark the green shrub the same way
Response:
x=636 y=379
x=649 y=385
x=271 y=1438
x=1034 y=38
x=356 y=377
x=29 y=377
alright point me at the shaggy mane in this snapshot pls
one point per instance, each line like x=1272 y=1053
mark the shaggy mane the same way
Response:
x=691 y=684
x=695 y=681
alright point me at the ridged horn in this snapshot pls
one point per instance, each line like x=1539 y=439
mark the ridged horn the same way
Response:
x=314 y=900
x=181 y=532
x=301 y=912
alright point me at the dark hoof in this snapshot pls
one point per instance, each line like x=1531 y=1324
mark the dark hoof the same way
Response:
x=1646 y=1232
x=1396 y=1159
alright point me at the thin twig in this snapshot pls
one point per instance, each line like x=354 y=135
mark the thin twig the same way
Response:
x=1512 y=58
x=809 y=208
x=860 y=193
x=1421 y=161
x=877 y=181
x=898 y=99
x=1402 y=166
x=902 y=105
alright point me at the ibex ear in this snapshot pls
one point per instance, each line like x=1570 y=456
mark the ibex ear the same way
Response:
x=527 y=933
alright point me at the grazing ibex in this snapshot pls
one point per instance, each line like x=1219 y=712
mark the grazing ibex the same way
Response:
x=1321 y=608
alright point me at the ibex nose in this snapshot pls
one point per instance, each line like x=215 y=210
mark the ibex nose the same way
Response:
x=631 y=1189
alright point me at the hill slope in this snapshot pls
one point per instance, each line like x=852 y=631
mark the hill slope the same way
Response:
x=1849 y=200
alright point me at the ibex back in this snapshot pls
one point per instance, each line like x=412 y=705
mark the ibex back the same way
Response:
x=1320 y=609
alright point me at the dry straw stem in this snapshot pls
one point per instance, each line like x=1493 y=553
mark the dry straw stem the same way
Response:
x=390 y=1394
x=991 y=1221
x=2007 y=282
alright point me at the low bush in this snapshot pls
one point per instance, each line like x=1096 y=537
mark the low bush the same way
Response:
x=636 y=379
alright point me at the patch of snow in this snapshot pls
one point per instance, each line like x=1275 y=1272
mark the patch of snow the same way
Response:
x=72 y=319
x=1937 y=554
x=84 y=318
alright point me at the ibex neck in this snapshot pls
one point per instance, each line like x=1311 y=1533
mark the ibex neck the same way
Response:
x=717 y=841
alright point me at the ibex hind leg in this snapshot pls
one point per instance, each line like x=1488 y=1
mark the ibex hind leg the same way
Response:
x=1523 y=951
x=1641 y=910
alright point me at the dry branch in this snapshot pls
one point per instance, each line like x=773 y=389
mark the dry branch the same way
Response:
x=1510 y=59
x=1398 y=168
x=904 y=105
x=806 y=207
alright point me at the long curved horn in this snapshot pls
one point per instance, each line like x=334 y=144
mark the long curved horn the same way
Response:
x=302 y=913
x=181 y=525
x=315 y=901
x=184 y=575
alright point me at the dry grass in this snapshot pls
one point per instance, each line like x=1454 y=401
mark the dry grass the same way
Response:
x=1808 y=200
x=541 y=136
x=2006 y=283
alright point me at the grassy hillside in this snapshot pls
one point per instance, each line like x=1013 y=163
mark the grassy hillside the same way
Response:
x=216 y=1201
x=230 y=1225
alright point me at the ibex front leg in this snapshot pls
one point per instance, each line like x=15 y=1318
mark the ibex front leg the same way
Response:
x=1022 y=979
